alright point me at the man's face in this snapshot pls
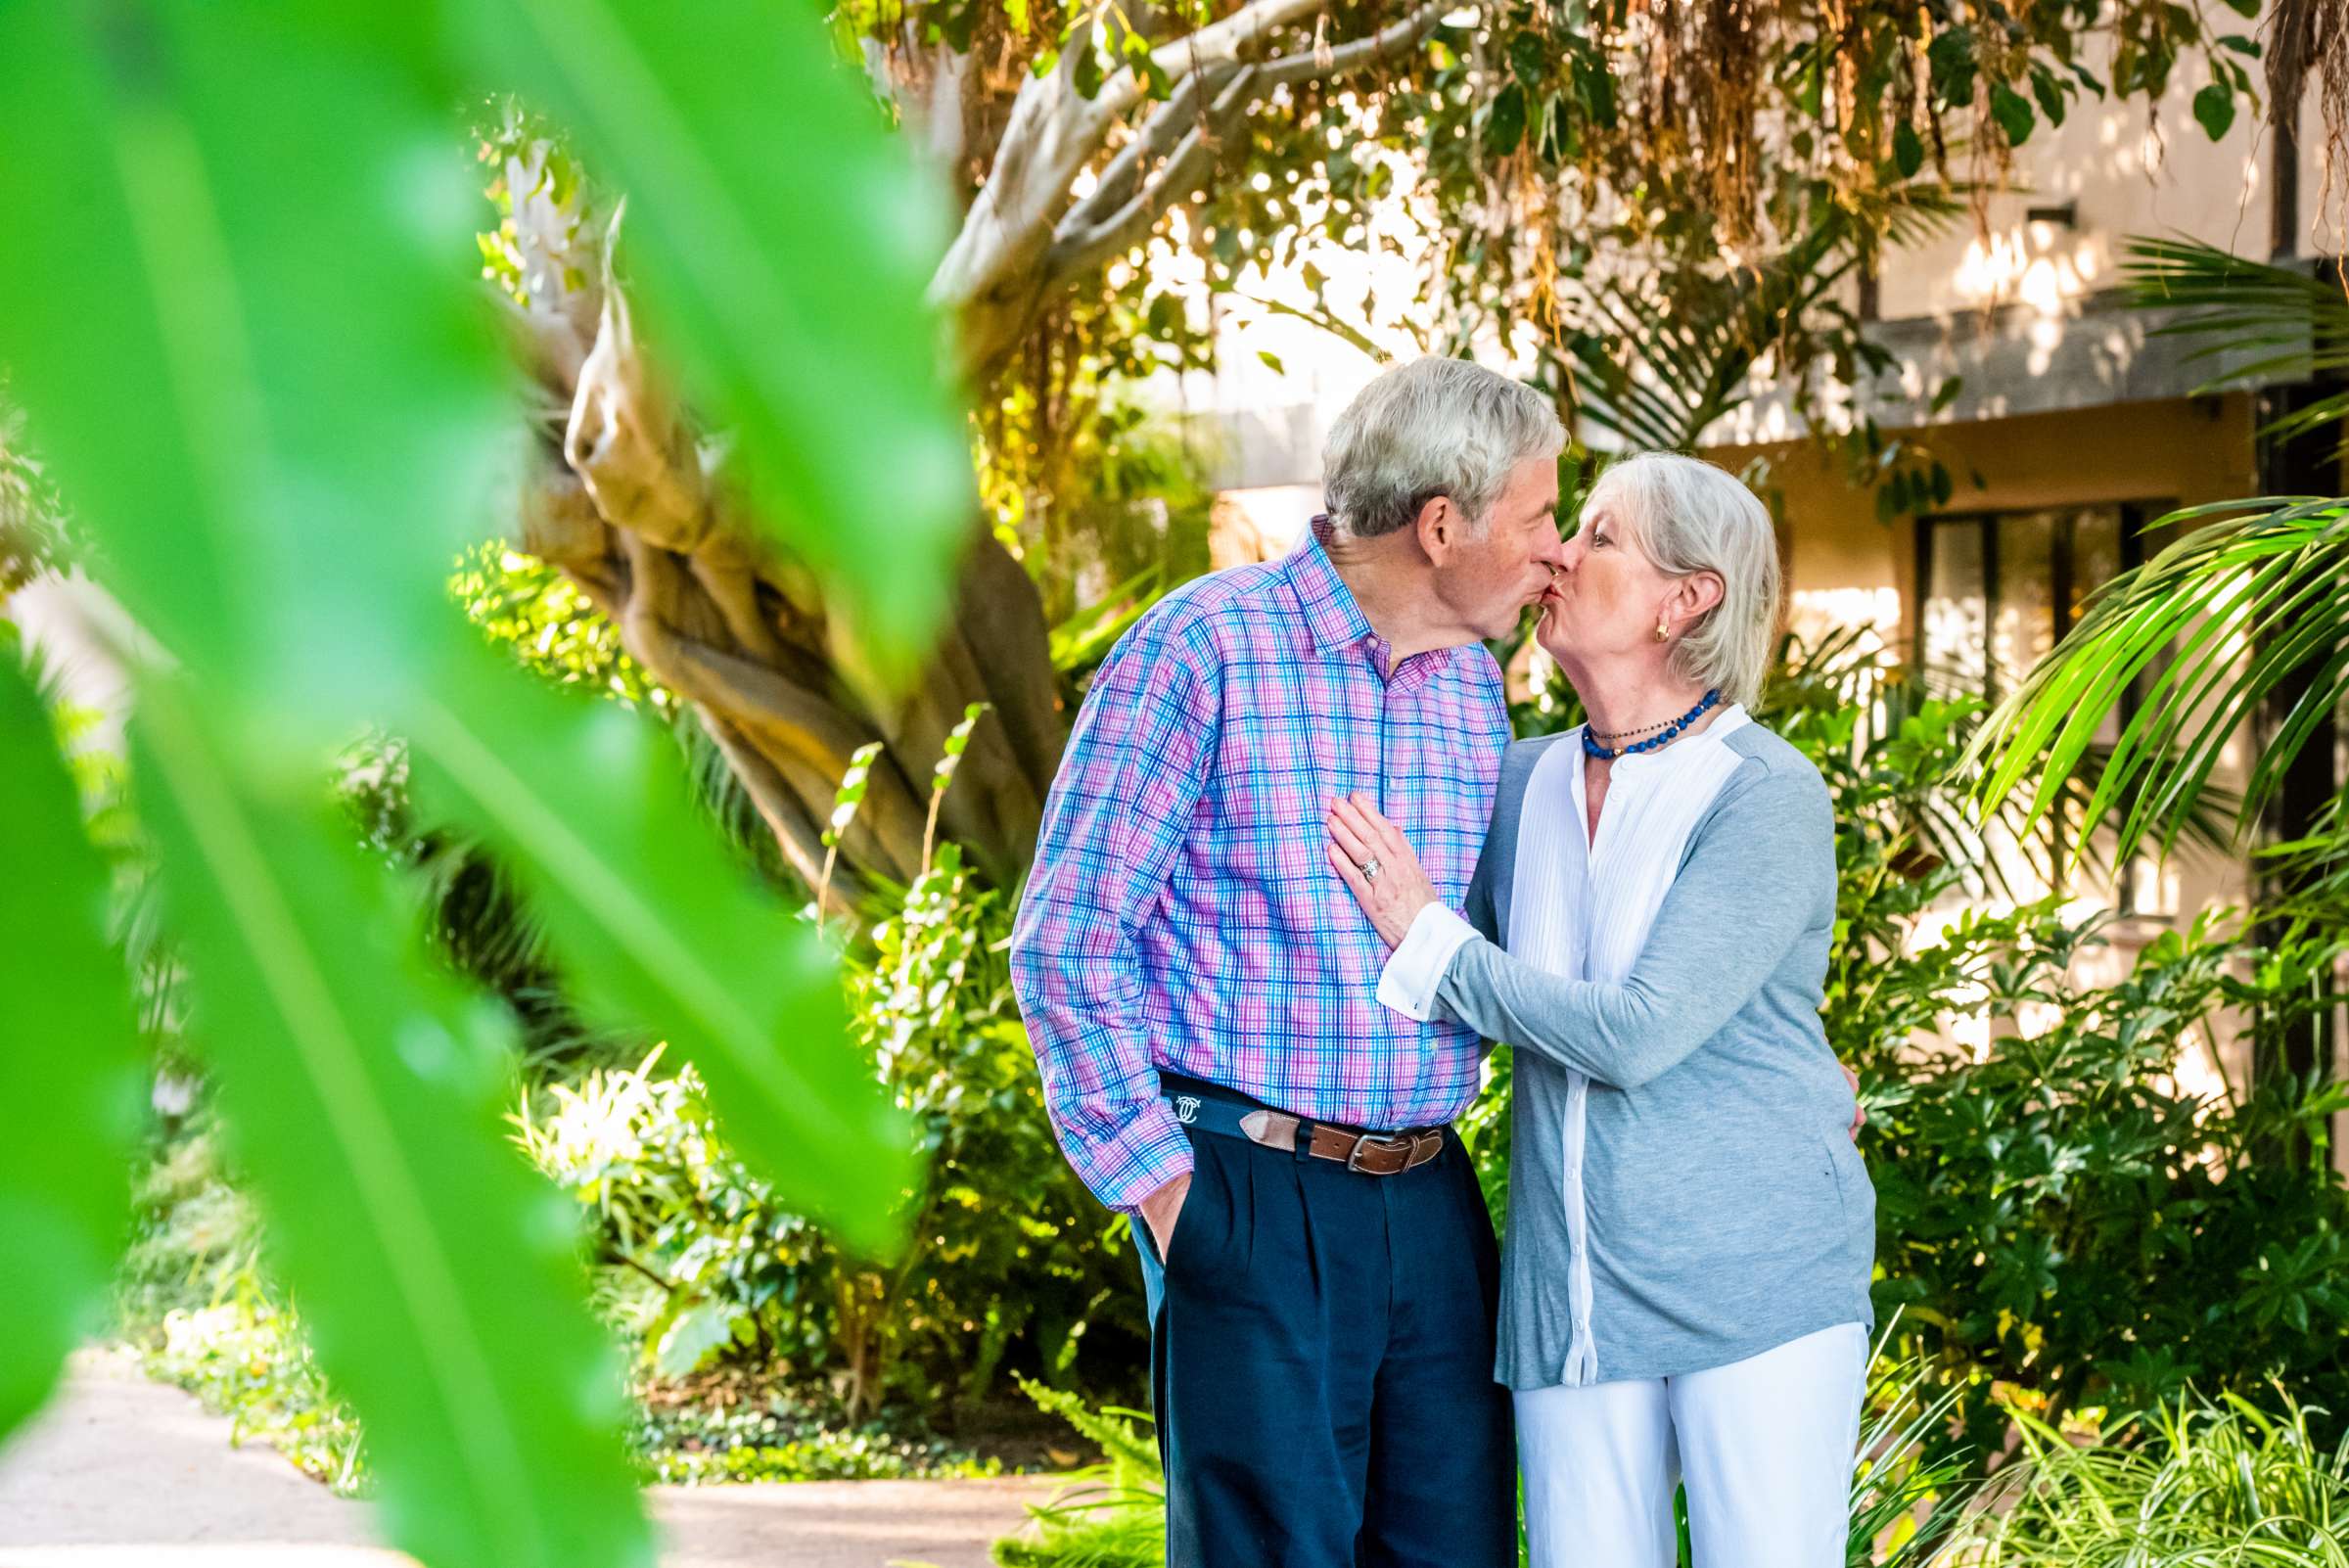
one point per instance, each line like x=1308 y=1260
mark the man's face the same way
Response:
x=1487 y=579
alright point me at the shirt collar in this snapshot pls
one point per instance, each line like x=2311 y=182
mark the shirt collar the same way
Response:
x=1331 y=612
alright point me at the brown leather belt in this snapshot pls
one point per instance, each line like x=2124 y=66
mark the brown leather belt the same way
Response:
x=1371 y=1153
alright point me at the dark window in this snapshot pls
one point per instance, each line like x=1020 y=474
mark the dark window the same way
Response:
x=1999 y=589
x=1996 y=590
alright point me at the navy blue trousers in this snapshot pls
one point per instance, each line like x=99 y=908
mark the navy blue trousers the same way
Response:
x=1321 y=1348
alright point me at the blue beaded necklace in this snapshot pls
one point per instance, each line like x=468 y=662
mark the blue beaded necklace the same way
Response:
x=1592 y=748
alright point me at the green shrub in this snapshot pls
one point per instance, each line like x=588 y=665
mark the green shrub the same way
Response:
x=194 y=1303
x=692 y=1442
x=246 y=1357
x=1011 y=1263
x=2071 y=1232
x=1109 y=1515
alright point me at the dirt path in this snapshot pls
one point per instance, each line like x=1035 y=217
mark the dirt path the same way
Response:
x=121 y=1472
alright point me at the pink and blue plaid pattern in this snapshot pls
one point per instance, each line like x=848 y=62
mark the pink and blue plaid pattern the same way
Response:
x=1181 y=913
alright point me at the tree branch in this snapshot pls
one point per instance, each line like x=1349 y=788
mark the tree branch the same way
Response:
x=1226 y=42
x=1094 y=231
x=1387 y=43
x=1149 y=144
x=1075 y=250
x=623 y=498
x=1054 y=131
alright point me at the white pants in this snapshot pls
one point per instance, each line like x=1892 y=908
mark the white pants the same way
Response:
x=1766 y=1447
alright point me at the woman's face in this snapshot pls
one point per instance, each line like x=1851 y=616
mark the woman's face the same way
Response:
x=1606 y=597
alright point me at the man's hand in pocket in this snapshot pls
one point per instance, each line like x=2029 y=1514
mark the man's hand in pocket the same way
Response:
x=1163 y=1207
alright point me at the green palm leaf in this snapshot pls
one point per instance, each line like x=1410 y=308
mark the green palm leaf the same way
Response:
x=249 y=343
x=1657 y=364
x=2214 y=625
x=439 y=1277
x=297 y=554
x=2254 y=321
x=69 y=1063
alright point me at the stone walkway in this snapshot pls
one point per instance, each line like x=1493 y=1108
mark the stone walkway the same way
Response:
x=121 y=1472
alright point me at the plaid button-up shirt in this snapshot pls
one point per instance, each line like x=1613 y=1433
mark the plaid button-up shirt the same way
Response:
x=1182 y=912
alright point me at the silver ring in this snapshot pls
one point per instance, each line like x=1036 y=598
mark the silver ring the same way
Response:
x=1369 y=869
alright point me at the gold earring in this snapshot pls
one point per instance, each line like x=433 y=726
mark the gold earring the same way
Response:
x=1663 y=630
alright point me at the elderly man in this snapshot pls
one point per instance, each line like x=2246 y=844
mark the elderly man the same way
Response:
x=1321 y=1271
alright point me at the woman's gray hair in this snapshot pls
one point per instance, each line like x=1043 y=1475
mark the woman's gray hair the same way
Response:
x=1433 y=427
x=1687 y=516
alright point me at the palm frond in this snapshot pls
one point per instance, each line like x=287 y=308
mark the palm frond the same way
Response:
x=2264 y=322
x=1657 y=363
x=1844 y=671
x=2230 y=616
x=1657 y=369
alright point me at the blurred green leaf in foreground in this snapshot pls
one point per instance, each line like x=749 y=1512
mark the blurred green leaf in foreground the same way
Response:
x=236 y=307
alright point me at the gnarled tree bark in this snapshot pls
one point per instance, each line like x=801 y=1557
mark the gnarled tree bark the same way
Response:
x=630 y=498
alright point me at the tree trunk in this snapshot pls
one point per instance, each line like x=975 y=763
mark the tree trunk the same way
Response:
x=624 y=498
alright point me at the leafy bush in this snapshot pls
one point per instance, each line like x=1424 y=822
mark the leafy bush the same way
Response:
x=1109 y=1515
x=194 y=1303
x=693 y=1441
x=1011 y=1261
x=1010 y=1249
x=246 y=1357
x=2072 y=1231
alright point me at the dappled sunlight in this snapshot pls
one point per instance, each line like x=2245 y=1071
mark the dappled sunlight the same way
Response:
x=1813 y=612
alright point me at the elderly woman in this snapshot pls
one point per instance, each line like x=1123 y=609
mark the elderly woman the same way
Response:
x=1691 y=1230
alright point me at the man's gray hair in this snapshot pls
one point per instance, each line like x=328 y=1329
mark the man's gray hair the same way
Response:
x=1686 y=515
x=1433 y=427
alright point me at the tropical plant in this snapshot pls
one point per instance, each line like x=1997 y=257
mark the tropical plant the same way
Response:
x=2242 y=616
x=1011 y=1263
x=2205 y=634
x=2069 y=1228
x=272 y=400
x=1659 y=356
x=2202 y=1481
x=1106 y=1515
x=1028 y=1273
x=2250 y=322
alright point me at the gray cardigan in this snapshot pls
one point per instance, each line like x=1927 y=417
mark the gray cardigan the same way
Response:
x=1728 y=1209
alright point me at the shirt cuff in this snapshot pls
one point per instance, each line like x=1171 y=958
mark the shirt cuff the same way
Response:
x=1148 y=1152
x=1416 y=968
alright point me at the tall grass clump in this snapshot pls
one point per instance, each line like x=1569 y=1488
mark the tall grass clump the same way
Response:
x=2204 y=1485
